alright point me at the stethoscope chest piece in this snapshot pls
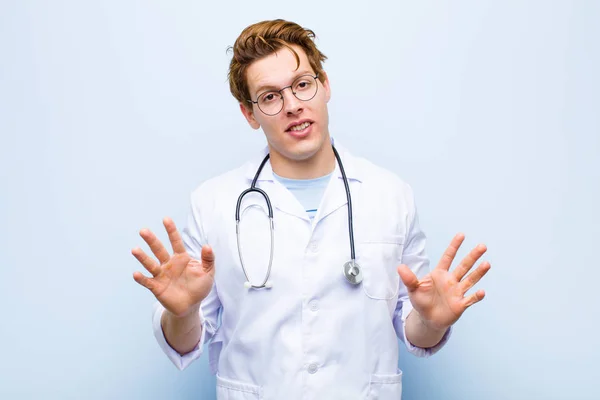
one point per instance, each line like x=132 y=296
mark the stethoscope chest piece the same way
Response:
x=353 y=272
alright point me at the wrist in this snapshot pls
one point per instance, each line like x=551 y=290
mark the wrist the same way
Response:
x=182 y=323
x=429 y=324
x=190 y=312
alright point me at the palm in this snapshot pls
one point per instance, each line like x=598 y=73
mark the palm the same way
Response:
x=179 y=282
x=439 y=297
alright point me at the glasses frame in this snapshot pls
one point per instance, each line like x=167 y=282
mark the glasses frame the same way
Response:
x=315 y=77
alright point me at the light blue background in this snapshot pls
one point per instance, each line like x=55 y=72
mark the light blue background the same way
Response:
x=111 y=113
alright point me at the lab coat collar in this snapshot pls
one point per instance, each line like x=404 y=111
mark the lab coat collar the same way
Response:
x=335 y=193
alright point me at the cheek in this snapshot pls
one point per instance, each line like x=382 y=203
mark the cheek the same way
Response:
x=271 y=125
x=321 y=108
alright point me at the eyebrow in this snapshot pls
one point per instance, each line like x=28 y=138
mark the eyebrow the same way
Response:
x=264 y=87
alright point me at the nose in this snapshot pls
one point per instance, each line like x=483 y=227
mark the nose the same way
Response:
x=291 y=104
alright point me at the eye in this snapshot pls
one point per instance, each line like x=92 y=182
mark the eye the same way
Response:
x=269 y=97
x=303 y=85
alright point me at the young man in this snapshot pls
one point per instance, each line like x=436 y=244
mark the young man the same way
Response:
x=313 y=308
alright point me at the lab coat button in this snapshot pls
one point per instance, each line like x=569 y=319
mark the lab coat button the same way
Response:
x=313 y=246
x=312 y=368
x=314 y=305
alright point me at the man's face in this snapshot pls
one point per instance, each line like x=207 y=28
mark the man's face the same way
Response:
x=273 y=73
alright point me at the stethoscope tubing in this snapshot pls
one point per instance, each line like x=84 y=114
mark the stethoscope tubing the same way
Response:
x=253 y=188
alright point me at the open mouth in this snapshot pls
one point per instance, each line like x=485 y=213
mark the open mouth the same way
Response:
x=299 y=127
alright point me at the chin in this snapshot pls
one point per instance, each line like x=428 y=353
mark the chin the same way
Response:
x=303 y=150
x=298 y=149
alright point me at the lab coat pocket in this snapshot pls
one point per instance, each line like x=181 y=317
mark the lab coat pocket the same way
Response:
x=228 y=389
x=385 y=387
x=379 y=259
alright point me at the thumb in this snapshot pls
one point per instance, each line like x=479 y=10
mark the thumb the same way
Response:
x=208 y=258
x=408 y=277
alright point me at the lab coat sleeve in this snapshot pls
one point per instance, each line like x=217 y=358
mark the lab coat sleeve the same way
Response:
x=415 y=257
x=193 y=237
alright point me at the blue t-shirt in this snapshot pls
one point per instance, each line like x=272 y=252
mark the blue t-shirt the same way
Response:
x=308 y=191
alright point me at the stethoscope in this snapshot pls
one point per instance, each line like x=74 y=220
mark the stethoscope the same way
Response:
x=352 y=271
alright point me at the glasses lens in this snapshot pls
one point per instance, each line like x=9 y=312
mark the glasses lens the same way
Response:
x=270 y=102
x=305 y=87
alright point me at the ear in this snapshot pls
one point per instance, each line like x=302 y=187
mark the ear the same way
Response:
x=326 y=86
x=249 y=114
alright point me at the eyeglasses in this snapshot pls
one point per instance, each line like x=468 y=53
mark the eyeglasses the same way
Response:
x=271 y=102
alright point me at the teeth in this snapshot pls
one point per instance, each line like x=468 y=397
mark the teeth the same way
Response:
x=300 y=127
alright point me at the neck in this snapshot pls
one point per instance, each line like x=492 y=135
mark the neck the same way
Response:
x=320 y=164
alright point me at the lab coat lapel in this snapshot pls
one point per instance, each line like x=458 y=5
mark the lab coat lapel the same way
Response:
x=285 y=201
x=333 y=198
x=335 y=194
x=281 y=198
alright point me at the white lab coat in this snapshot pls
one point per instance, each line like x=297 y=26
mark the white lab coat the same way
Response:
x=312 y=335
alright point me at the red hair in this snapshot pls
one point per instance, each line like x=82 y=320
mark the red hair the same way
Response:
x=263 y=39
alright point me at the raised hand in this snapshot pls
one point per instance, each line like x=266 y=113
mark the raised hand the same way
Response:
x=439 y=297
x=178 y=281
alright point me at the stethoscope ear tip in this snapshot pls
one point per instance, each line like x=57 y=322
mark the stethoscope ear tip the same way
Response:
x=269 y=284
x=247 y=285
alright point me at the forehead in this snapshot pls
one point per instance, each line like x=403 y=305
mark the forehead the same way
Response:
x=277 y=69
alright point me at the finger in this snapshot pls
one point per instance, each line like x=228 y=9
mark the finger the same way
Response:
x=143 y=280
x=475 y=276
x=208 y=258
x=147 y=261
x=174 y=236
x=408 y=277
x=474 y=298
x=450 y=253
x=155 y=245
x=467 y=263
